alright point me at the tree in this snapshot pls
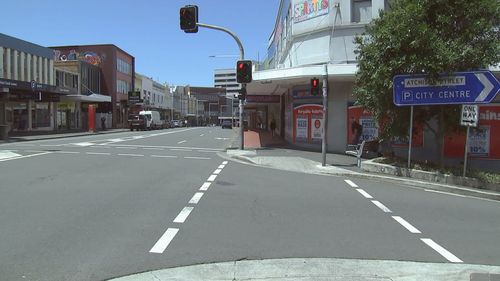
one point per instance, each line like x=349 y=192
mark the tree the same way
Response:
x=424 y=37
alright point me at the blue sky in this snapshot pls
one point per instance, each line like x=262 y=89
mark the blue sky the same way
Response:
x=149 y=30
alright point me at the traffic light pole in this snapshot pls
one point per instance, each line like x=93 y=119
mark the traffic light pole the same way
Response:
x=243 y=86
x=325 y=117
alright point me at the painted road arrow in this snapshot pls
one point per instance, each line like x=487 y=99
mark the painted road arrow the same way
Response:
x=459 y=88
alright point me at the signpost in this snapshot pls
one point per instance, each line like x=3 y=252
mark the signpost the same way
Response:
x=469 y=118
x=476 y=87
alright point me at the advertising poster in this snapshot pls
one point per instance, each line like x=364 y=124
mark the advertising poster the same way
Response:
x=482 y=141
x=316 y=128
x=304 y=117
x=361 y=125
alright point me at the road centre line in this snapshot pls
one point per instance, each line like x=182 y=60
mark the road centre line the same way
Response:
x=98 y=153
x=224 y=163
x=406 y=224
x=182 y=141
x=212 y=178
x=205 y=186
x=153 y=148
x=164 y=241
x=381 y=206
x=133 y=155
x=126 y=147
x=182 y=216
x=166 y=146
x=164 y=156
x=196 y=198
x=179 y=149
x=364 y=193
x=221 y=166
x=68 y=152
x=351 y=183
x=216 y=172
x=51 y=145
x=198 y=158
x=445 y=253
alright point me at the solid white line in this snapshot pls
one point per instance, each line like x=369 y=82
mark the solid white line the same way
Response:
x=205 y=186
x=442 y=192
x=196 y=198
x=352 y=184
x=225 y=162
x=51 y=145
x=211 y=178
x=381 y=206
x=221 y=166
x=199 y=158
x=164 y=240
x=177 y=149
x=25 y=156
x=164 y=156
x=216 y=172
x=182 y=141
x=182 y=216
x=364 y=193
x=406 y=224
x=152 y=148
x=134 y=155
x=97 y=153
x=167 y=146
x=127 y=147
x=67 y=152
x=445 y=253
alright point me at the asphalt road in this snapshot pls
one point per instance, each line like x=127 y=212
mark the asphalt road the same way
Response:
x=98 y=207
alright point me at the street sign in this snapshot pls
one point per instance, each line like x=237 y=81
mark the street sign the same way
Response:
x=469 y=116
x=134 y=97
x=459 y=88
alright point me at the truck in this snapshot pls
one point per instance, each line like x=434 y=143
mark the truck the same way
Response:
x=146 y=120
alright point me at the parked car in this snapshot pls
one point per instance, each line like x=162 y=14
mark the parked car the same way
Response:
x=176 y=123
x=153 y=120
x=226 y=124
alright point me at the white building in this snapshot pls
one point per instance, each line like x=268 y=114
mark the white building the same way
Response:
x=311 y=38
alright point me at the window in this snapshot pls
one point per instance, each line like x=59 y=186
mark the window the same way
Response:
x=361 y=10
x=123 y=67
x=122 y=86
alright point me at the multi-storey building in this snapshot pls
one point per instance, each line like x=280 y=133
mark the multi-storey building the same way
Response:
x=117 y=68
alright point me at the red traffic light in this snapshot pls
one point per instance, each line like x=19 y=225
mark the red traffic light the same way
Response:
x=189 y=18
x=244 y=71
x=314 y=86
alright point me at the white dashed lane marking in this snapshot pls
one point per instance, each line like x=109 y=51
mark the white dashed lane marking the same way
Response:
x=205 y=186
x=164 y=156
x=216 y=172
x=352 y=184
x=212 y=178
x=198 y=158
x=182 y=141
x=221 y=166
x=381 y=206
x=196 y=198
x=406 y=224
x=364 y=193
x=182 y=216
x=164 y=240
x=97 y=153
x=445 y=253
x=132 y=155
x=224 y=163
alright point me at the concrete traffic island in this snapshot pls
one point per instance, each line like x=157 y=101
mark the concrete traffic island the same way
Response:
x=322 y=269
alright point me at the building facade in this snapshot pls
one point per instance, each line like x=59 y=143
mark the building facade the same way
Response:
x=117 y=69
x=28 y=91
x=226 y=78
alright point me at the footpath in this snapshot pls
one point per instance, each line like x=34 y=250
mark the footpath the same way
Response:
x=262 y=149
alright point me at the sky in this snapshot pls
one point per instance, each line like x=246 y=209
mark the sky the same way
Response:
x=149 y=30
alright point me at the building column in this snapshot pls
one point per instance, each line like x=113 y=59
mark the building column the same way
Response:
x=22 y=57
x=1 y=62
x=28 y=67
x=9 y=62
x=45 y=71
x=40 y=70
x=52 y=81
x=35 y=68
x=31 y=104
x=16 y=58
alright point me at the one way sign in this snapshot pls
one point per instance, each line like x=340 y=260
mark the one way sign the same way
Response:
x=470 y=115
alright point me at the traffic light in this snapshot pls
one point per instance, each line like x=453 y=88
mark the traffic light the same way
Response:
x=244 y=71
x=189 y=18
x=315 y=87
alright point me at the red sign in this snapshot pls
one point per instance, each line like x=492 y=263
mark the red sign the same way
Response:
x=484 y=141
x=303 y=116
x=262 y=99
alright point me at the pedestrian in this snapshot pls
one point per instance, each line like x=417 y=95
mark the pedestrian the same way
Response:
x=103 y=123
x=273 y=126
x=357 y=130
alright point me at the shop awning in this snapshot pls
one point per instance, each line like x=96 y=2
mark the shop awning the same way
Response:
x=275 y=81
x=89 y=98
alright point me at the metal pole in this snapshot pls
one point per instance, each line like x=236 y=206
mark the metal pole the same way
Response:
x=466 y=150
x=242 y=57
x=411 y=137
x=325 y=116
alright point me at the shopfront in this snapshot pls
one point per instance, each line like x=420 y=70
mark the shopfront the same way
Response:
x=261 y=110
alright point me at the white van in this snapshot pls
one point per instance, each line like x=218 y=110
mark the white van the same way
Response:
x=153 y=120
